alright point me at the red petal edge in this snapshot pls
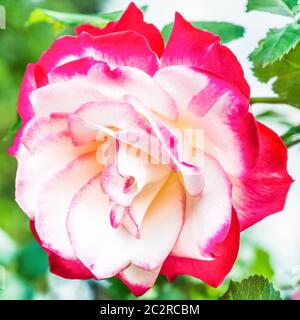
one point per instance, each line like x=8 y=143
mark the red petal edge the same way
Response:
x=68 y=269
x=132 y=19
x=211 y=272
x=193 y=47
x=262 y=190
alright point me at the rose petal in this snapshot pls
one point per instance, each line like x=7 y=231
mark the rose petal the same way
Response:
x=211 y=272
x=63 y=97
x=138 y=280
x=68 y=269
x=98 y=78
x=34 y=78
x=132 y=19
x=219 y=110
x=263 y=190
x=112 y=48
x=192 y=173
x=139 y=206
x=54 y=199
x=107 y=251
x=202 y=49
x=48 y=156
x=207 y=218
x=84 y=123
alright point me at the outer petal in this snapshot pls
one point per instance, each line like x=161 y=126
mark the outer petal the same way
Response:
x=112 y=48
x=68 y=269
x=38 y=129
x=138 y=280
x=207 y=218
x=34 y=78
x=211 y=272
x=54 y=199
x=96 y=31
x=193 y=47
x=48 y=156
x=107 y=251
x=132 y=19
x=263 y=190
x=209 y=103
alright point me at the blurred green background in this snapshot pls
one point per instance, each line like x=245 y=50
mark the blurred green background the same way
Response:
x=24 y=268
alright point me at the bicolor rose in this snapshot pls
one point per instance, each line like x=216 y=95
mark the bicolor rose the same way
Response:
x=101 y=211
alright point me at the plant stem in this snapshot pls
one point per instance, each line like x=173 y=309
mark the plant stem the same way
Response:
x=272 y=100
x=292 y=143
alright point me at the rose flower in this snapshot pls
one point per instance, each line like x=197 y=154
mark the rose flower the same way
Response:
x=101 y=172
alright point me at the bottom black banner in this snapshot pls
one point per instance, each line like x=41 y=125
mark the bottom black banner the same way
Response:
x=106 y=309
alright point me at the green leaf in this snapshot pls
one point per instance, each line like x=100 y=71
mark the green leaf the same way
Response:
x=262 y=264
x=253 y=288
x=278 y=117
x=278 y=43
x=59 y=19
x=285 y=75
x=292 y=136
x=287 y=8
x=70 y=19
x=227 y=31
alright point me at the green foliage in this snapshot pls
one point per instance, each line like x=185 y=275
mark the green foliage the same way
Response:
x=292 y=136
x=23 y=260
x=70 y=19
x=277 y=56
x=253 y=288
x=261 y=264
x=287 y=8
x=32 y=261
x=16 y=288
x=252 y=260
x=276 y=116
x=278 y=43
x=227 y=31
x=60 y=19
x=285 y=75
x=8 y=249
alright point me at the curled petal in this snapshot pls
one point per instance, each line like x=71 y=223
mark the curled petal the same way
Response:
x=86 y=122
x=192 y=173
x=207 y=218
